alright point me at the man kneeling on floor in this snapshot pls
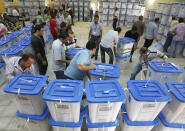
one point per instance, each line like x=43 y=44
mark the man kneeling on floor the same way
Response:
x=145 y=56
x=18 y=65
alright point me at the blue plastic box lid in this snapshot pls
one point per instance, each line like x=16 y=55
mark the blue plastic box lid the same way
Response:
x=99 y=125
x=104 y=91
x=177 y=89
x=106 y=70
x=64 y=91
x=12 y=50
x=68 y=124
x=148 y=91
x=136 y=123
x=74 y=51
x=34 y=117
x=159 y=66
x=170 y=125
x=126 y=40
x=26 y=84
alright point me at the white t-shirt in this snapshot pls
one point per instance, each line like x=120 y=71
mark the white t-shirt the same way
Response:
x=68 y=19
x=110 y=38
x=116 y=13
x=15 y=13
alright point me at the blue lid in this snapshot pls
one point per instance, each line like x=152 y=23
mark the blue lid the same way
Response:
x=149 y=91
x=126 y=40
x=171 y=125
x=99 y=125
x=68 y=124
x=64 y=91
x=74 y=51
x=125 y=56
x=104 y=91
x=106 y=70
x=1 y=65
x=26 y=84
x=177 y=89
x=12 y=50
x=34 y=117
x=136 y=123
x=159 y=66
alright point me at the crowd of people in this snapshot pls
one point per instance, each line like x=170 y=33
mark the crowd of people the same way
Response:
x=77 y=67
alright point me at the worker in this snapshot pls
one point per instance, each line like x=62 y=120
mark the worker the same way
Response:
x=80 y=65
x=53 y=26
x=95 y=34
x=115 y=18
x=145 y=56
x=19 y=65
x=106 y=44
x=39 y=16
x=58 y=54
x=37 y=45
x=134 y=35
x=151 y=32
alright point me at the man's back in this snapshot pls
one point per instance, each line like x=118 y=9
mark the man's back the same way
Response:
x=140 y=27
x=151 y=31
x=179 y=31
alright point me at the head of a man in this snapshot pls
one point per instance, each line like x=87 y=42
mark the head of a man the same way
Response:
x=26 y=61
x=71 y=36
x=174 y=18
x=115 y=8
x=156 y=20
x=141 y=18
x=144 y=51
x=36 y=22
x=181 y=20
x=39 y=12
x=63 y=26
x=134 y=30
x=118 y=29
x=91 y=46
x=39 y=30
x=67 y=13
x=63 y=37
x=96 y=19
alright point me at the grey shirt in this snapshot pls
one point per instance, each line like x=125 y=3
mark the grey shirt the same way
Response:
x=58 y=53
x=153 y=54
x=96 y=29
x=151 y=31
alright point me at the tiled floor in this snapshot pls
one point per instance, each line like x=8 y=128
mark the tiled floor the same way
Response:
x=8 y=119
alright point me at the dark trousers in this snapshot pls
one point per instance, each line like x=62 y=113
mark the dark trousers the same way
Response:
x=137 y=69
x=64 y=7
x=109 y=52
x=114 y=23
x=59 y=74
x=96 y=39
x=66 y=77
x=54 y=37
x=42 y=68
x=148 y=43
x=168 y=41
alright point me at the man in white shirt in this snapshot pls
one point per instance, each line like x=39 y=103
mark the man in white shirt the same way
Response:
x=106 y=44
x=18 y=65
x=68 y=21
x=59 y=19
x=58 y=56
x=115 y=18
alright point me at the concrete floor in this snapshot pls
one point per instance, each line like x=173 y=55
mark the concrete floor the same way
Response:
x=10 y=122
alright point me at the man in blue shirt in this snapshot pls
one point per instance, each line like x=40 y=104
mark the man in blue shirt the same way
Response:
x=81 y=63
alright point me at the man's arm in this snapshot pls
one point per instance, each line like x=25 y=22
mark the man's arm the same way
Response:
x=9 y=71
x=163 y=56
x=86 y=68
x=101 y=32
x=116 y=40
x=64 y=61
x=142 y=29
x=155 y=33
x=90 y=34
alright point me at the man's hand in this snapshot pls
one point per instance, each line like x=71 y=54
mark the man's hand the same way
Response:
x=44 y=62
x=166 y=61
x=93 y=66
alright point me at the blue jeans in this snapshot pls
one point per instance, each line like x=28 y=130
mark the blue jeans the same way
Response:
x=109 y=52
x=174 y=48
x=137 y=69
x=59 y=74
x=168 y=41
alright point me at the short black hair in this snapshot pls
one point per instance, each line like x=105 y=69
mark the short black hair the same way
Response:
x=134 y=28
x=181 y=20
x=143 y=50
x=96 y=16
x=53 y=16
x=34 y=21
x=25 y=57
x=116 y=8
x=63 y=35
x=90 y=45
x=63 y=24
x=141 y=17
x=174 y=17
x=156 y=20
x=38 y=27
x=39 y=12
x=118 y=29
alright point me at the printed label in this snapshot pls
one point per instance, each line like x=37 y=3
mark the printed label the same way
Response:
x=149 y=107
x=63 y=111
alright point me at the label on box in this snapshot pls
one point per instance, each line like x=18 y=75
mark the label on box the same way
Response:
x=63 y=111
x=151 y=107
x=25 y=101
x=33 y=125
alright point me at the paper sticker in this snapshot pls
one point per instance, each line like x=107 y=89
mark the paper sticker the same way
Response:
x=151 y=107
x=63 y=111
